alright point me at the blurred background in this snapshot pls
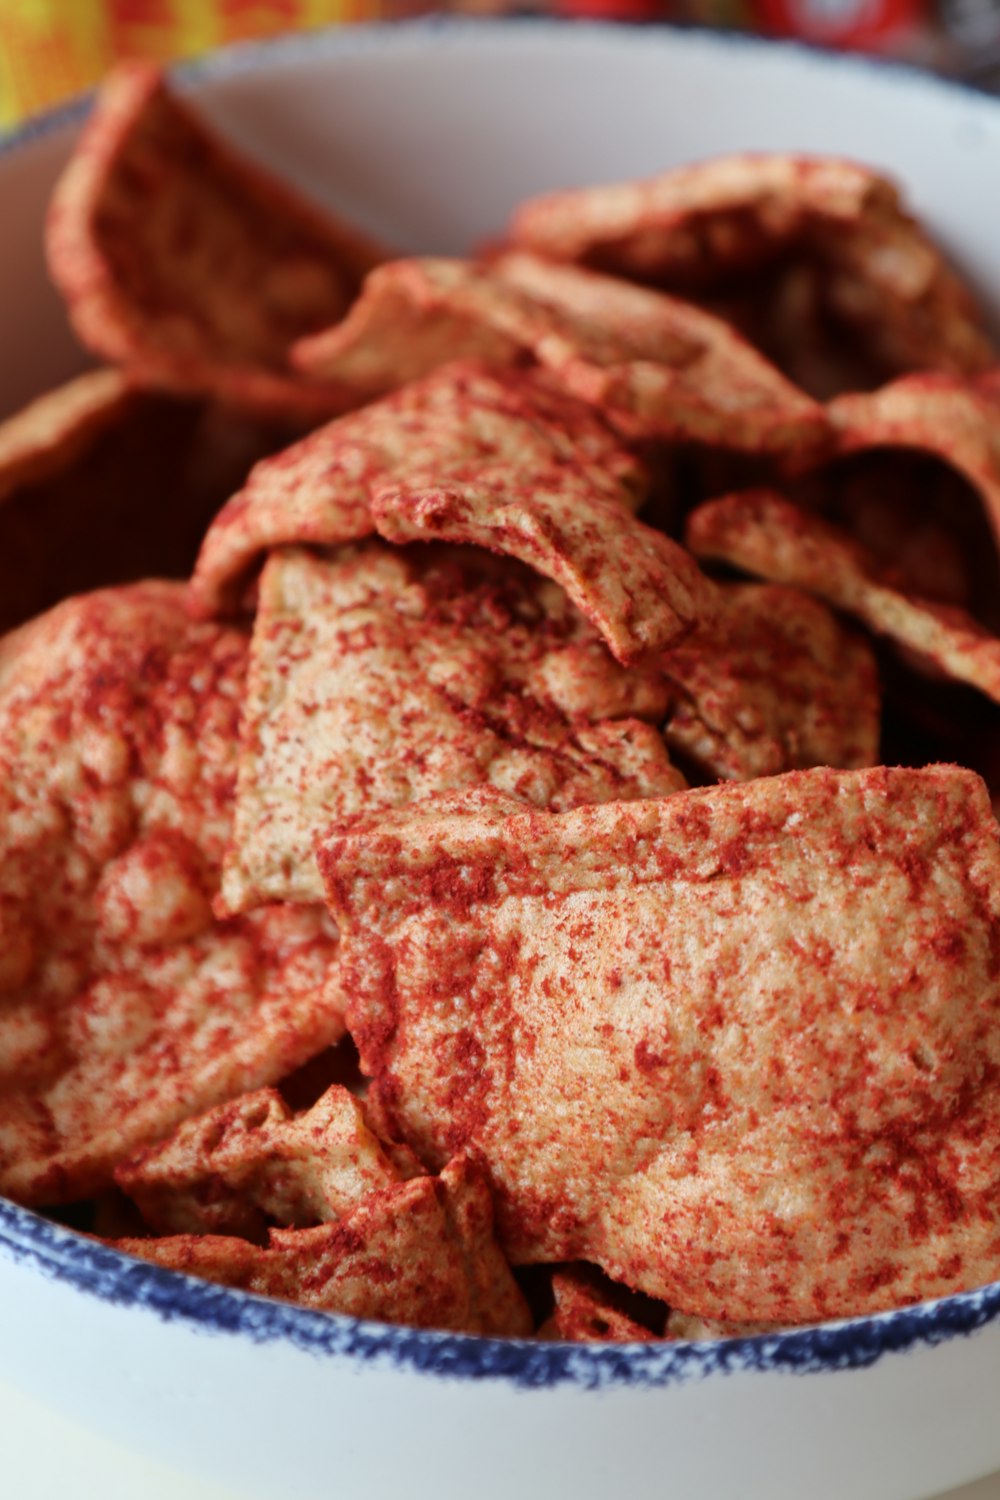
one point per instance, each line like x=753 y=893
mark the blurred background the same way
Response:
x=50 y=49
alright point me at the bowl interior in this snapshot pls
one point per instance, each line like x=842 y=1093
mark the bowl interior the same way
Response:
x=429 y=134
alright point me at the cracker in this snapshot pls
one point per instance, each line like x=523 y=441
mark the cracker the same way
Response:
x=762 y=533
x=775 y=683
x=421 y=1253
x=677 y=1036
x=697 y=227
x=667 y=367
x=53 y=430
x=955 y=420
x=190 y=265
x=462 y=425
x=123 y=1004
x=381 y=676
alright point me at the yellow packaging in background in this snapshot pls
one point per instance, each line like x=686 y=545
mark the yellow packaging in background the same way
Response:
x=50 y=49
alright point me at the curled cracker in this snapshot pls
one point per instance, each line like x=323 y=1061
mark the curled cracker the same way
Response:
x=764 y=534
x=188 y=264
x=956 y=420
x=698 y=225
x=461 y=421
x=669 y=368
x=685 y=1050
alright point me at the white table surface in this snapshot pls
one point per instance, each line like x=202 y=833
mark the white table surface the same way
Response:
x=46 y=1457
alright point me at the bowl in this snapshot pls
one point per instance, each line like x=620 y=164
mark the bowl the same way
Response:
x=428 y=134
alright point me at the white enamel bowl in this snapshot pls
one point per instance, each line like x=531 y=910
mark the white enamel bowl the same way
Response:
x=429 y=134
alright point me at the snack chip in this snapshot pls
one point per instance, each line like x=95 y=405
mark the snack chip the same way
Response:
x=765 y=534
x=462 y=424
x=250 y=1161
x=669 y=368
x=675 y=1034
x=657 y=1034
x=420 y=1253
x=956 y=420
x=699 y=227
x=188 y=264
x=382 y=676
x=636 y=586
x=775 y=683
x=123 y=1004
x=584 y=1313
x=54 y=429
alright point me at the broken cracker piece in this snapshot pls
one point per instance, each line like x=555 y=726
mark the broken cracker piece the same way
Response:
x=251 y=1160
x=420 y=1253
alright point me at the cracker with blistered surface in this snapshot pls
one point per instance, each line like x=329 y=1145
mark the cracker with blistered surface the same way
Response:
x=765 y=534
x=775 y=683
x=676 y=1035
x=421 y=1253
x=252 y=1160
x=699 y=226
x=188 y=264
x=123 y=1004
x=381 y=676
x=666 y=367
x=462 y=425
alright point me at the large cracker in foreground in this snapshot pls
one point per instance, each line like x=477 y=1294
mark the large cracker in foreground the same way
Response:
x=188 y=264
x=381 y=676
x=421 y=1253
x=460 y=422
x=774 y=683
x=124 y=1005
x=251 y=1161
x=955 y=420
x=762 y=533
x=677 y=1036
x=667 y=367
x=699 y=226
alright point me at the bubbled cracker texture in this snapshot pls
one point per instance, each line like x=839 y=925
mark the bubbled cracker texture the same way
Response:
x=675 y=1033
x=380 y=676
x=124 y=1003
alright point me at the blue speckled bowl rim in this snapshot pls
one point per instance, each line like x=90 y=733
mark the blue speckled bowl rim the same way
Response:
x=98 y=1271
